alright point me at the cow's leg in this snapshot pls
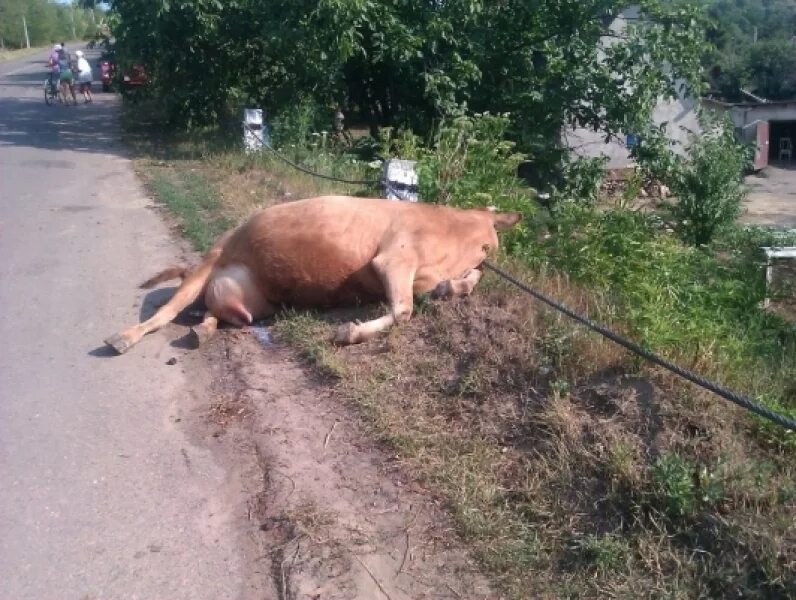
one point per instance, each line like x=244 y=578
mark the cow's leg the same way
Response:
x=397 y=276
x=199 y=334
x=189 y=291
x=452 y=288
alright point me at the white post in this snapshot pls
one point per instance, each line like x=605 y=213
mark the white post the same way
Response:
x=74 y=33
x=25 y=27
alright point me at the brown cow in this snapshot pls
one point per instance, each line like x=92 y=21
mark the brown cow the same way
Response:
x=332 y=250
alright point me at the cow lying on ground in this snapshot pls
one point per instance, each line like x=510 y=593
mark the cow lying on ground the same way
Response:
x=331 y=250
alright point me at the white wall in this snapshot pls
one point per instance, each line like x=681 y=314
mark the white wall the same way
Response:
x=679 y=115
x=743 y=115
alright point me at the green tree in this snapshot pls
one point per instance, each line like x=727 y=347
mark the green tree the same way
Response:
x=417 y=62
x=771 y=65
x=751 y=47
x=46 y=21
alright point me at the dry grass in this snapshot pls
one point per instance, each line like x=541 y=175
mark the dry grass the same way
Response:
x=12 y=54
x=572 y=470
x=241 y=183
x=6 y=54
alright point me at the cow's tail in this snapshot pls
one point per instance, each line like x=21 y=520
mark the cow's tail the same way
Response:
x=165 y=275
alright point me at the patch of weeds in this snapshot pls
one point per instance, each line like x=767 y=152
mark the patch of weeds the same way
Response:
x=311 y=336
x=195 y=204
x=676 y=488
x=622 y=466
x=603 y=553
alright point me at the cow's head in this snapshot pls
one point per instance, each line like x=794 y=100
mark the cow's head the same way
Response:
x=503 y=220
x=506 y=220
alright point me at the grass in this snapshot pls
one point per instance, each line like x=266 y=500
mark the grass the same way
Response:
x=240 y=183
x=311 y=337
x=195 y=204
x=9 y=54
x=20 y=53
x=571 y=469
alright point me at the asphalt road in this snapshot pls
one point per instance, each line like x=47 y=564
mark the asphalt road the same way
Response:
x=102 y=494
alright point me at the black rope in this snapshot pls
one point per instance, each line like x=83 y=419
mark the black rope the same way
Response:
x=305 y=169
x=738 y=399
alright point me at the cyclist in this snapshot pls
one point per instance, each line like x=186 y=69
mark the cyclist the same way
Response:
x=55 y=70
x=66 y=76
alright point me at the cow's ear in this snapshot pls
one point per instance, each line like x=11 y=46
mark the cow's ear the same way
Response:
x=506 y=220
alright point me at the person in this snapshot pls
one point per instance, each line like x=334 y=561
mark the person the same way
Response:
x=339 y=125
x=84 y=76
x=66 y=76
x=55 y=70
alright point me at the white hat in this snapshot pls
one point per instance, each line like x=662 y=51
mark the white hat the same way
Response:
x=79 y=53
x=57 y=47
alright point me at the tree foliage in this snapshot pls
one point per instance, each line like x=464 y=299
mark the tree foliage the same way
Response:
x=46 y=21
x=416 y=62
x=753 y=47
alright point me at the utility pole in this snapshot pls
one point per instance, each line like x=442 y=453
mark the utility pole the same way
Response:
x=74 y=33
x=25 y=27
x=754 y=36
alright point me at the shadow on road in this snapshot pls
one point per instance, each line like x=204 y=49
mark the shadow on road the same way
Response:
x=26 y=121
x=86 y=127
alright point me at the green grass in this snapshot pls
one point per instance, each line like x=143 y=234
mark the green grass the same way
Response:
x=195 y=204
x=311 y=336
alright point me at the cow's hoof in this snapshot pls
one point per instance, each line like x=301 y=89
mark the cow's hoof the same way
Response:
x=119 y=343
x=197 y=336
x=443 y=290
x=346 y=334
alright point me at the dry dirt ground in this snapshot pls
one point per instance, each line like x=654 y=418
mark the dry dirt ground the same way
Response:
x=772 y=197
x=330 y=515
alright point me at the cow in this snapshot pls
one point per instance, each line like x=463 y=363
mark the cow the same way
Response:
x=331 y=250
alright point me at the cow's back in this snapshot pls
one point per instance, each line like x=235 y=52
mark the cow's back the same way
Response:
x=319 y=251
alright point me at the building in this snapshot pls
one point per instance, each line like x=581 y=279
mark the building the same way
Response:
x=771 y=123
x=678 y=114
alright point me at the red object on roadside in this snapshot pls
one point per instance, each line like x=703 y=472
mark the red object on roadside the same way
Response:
x=135 y=77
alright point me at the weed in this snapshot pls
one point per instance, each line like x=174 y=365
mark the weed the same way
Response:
x=674 y=477
x=195 y=204
x=707 y=181
x=311 y=337
x=605 y=553
x=622 y=466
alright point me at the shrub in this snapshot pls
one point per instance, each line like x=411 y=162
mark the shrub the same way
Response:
x=469 y=163
x=707 y=180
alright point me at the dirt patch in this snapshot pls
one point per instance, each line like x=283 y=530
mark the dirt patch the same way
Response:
x=772 y=197
x=335 y=517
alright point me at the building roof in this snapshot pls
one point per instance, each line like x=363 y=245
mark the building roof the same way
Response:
x=769 y=103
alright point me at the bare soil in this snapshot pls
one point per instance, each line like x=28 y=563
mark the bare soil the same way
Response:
x=772 y=197
x=330 y=515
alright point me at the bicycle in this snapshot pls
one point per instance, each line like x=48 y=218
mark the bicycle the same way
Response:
x=51 y=92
